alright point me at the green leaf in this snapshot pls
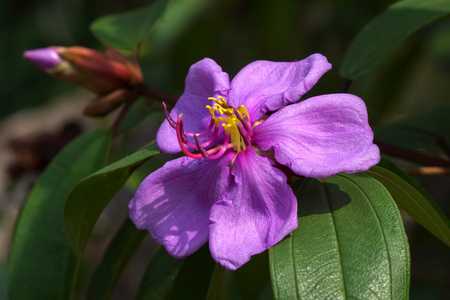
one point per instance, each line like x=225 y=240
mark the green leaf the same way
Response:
x=414 y=203
x=128 y=29
x=160 y=276
x=88 y=199
x=425 y=131
x=259 y=287
x=378 y=38
x=389 y=165
x=194 y=279
x=119 y=252
x=350 y=243
x=42 y=262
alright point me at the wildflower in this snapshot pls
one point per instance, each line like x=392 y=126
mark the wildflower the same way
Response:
x=231 y=193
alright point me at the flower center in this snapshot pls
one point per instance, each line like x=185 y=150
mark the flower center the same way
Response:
x=236 y=124
x=235 y=121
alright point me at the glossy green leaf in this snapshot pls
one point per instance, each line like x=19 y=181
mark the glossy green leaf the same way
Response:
x=381 y=35
x=88 y=199
x=422 y=209
x=42 y=262
x=160 y=276
x=350 y=243
x=116 y=258
x=128 y=29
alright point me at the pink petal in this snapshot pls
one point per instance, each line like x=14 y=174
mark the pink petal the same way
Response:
x=264 y=86
x=174 y=202
x=321 y=136
x=205 y=79
x=256 y=212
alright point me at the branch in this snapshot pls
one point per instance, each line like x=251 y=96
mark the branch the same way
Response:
x=160 y=95
x=412 y=155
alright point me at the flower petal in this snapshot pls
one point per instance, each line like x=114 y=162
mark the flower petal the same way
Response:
x=321 y=136
x=267 y=86
x=205 y=79
x=174 y=202
x=256 y=212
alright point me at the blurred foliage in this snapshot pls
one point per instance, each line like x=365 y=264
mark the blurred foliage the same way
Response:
x=412 y=80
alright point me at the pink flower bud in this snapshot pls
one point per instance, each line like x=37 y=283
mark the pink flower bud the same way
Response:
x=88 y=68
x=45 y=59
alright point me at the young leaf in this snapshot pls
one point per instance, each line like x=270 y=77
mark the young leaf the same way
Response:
x=88 y=199
x=42 y=262
x=126 y=30
x=160 y=276
x=422 y=209
x=350 y=243
x=119 y=252
x=378 y=38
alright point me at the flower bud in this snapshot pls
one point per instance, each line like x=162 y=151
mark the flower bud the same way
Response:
x=88 y=68
x=45 y=59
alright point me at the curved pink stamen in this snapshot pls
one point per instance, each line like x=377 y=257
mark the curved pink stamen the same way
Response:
x=217 y=152
x=206 y=131
x=208 y=142
x=180 y=140
x=181 y=125
x=173 y=124
x=169 y=119
x=222 y=150
x=202 y=150
x=244 y=135
x=245 y=122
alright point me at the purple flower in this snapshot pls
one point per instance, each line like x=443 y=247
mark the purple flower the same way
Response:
x=232 y=193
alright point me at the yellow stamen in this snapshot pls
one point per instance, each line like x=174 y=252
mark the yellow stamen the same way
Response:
x=229 y=120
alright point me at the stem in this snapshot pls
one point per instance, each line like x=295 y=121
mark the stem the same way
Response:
x=412 y=155
x=122 y=113
x=157 y=94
